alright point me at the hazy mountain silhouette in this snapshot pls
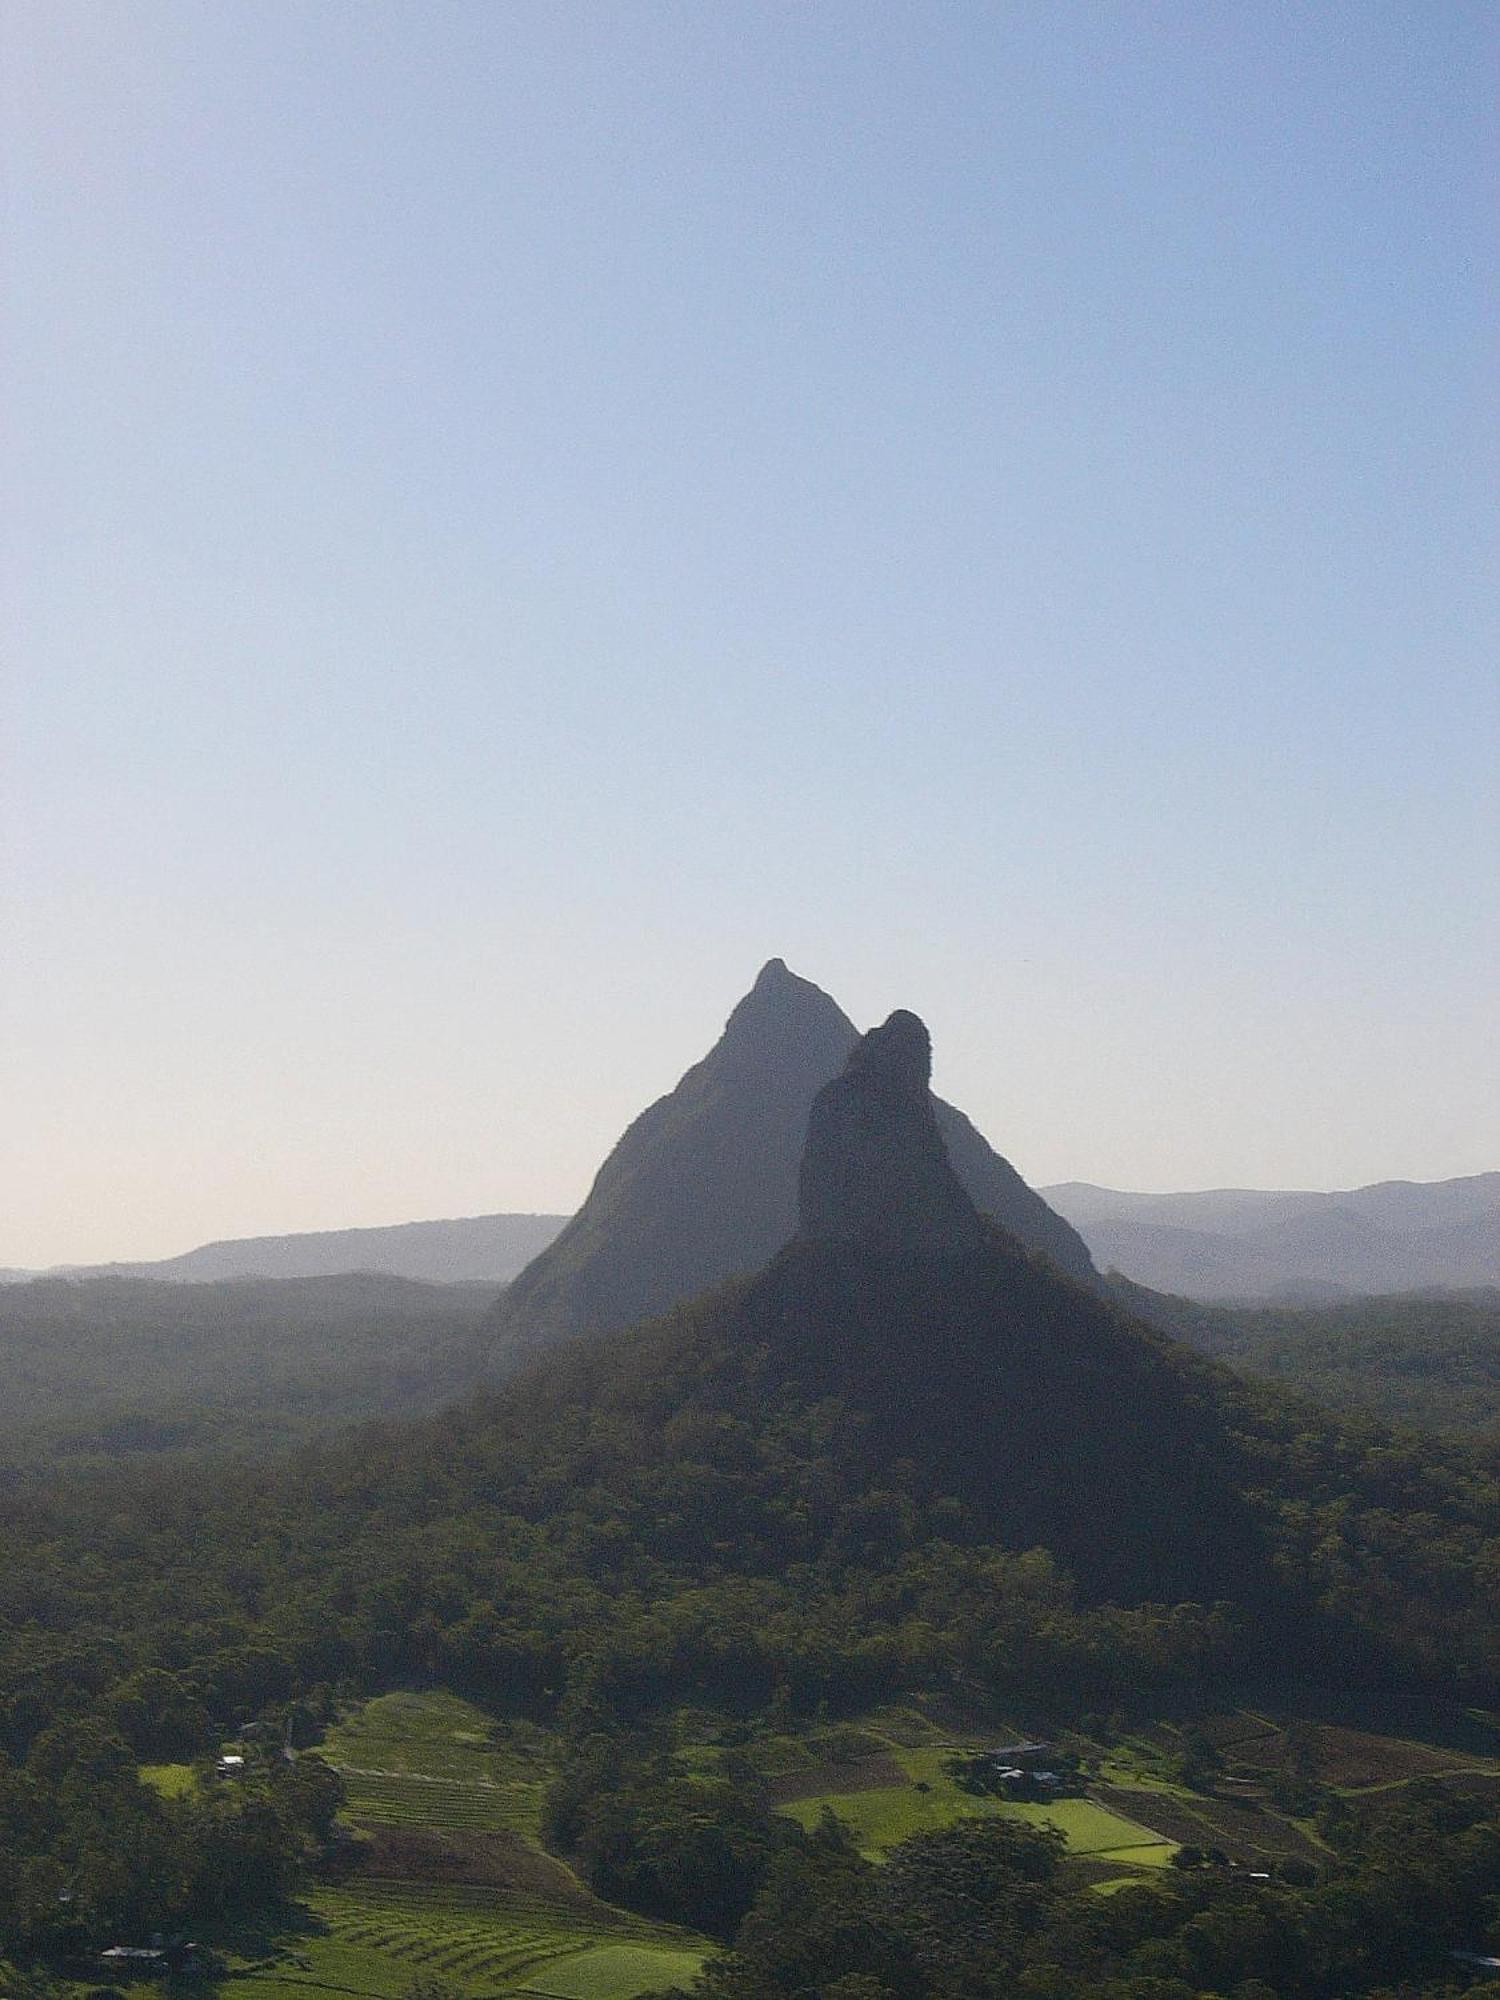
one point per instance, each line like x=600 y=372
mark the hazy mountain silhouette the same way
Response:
x=703 y=1185
x=1246 y=1243
x=459 y=1251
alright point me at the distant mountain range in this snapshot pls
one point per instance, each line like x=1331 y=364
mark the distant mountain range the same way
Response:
x=469 y=1249
x=702 y=1187
x=1245 y=1243
x=1225 y=1244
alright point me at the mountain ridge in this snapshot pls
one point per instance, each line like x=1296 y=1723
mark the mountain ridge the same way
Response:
x=1250 y=1243
x=450 y=1250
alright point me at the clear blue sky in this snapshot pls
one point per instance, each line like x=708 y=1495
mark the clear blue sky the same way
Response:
x=520 y=511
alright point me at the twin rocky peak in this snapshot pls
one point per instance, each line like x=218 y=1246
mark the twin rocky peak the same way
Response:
x=875 y=1171
x=792 y=1125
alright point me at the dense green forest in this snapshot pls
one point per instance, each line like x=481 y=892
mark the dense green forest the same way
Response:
x=130 y=1367
x=122 y=1366
x=1426 y=1358
x=985 y=1908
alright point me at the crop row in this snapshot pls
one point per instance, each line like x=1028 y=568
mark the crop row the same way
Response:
x=498 y=1947
x=447 y=1802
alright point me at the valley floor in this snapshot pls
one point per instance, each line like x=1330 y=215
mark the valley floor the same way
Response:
x=445 y=1878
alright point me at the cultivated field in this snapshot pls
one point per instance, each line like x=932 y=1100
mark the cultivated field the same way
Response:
x=886 y=1779
x=923 y=1798
x=432 y=1760
x=452 y=1883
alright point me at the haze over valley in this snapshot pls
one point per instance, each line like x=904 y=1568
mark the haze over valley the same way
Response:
x=1393 y=1236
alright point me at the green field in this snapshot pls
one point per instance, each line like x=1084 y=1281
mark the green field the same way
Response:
x=171 y=1780
x=456 y=1885
x=885 y=1814
x=434 y=1760
x=616 y=1972
x=879 y=1819
x=433 y=1764
x=373 y=1939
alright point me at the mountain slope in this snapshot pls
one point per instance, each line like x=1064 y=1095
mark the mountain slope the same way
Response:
x=905 y=1373
x=703 y=1186
x=1228 y=1243
x=855 y=1473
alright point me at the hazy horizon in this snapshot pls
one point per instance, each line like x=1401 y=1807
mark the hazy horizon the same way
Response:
x=402 y=1221
x=390 y=1221
x=519 y=515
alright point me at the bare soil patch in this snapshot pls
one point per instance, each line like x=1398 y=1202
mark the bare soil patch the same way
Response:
x=1349 y=1757
x=487 y=1860
x=852 y=1774
x=1247 y=1832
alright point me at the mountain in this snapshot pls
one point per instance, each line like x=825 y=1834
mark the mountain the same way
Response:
x=904 y=1369
x=470 y=1249
x=875 y=1172
x=703 y=1185
x=1007 y=1386
x=1247 y=1243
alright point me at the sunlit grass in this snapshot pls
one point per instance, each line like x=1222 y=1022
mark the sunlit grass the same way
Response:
x=616 y=1972
x=432 y=1759
x=171 y=1780
x=373 y=1938
x=885 y=1815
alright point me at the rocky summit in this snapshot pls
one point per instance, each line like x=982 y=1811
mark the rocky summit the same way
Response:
x=875 y=1170
x=703 y=1186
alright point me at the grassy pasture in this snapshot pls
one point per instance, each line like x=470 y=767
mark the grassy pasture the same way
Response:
x=372 y=1939
x=879 y=1819
x=615 y=1972
x=171 y=1780
x=440 y=1786
x=455 y=1884
x=882 y=1815
x=432 y=1759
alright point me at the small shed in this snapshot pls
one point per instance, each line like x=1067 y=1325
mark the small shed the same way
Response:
x=135 y=1961
x=1019 y=1756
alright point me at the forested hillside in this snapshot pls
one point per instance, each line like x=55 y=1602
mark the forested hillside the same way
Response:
x=744 y=1506
x=110 y=1366
x=1430 y=1359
